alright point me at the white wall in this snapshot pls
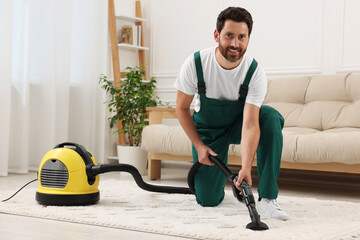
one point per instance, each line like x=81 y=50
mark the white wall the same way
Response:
x=289 y=37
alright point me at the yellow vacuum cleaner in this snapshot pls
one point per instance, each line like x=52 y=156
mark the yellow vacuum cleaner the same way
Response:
x=69 y=175
x=62 y=177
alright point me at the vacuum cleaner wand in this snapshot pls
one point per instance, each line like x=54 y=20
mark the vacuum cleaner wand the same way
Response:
x=246 y=195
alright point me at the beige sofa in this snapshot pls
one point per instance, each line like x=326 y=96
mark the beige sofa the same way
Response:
x=321 y=132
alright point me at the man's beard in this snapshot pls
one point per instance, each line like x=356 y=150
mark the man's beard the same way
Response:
x=229 y=57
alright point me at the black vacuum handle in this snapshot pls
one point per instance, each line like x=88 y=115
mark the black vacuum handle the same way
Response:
x=80 y=149
x=245 y=188
x=222 y=167
x=231 y=176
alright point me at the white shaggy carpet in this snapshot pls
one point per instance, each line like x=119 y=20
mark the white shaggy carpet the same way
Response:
x=124 y=205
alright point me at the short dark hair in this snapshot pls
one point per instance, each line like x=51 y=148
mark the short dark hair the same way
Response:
x=236 y=14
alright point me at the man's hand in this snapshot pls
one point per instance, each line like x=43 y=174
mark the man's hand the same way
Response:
x=203 y=155
x=244 y=174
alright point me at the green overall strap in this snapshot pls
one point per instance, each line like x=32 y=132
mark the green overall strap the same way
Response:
x=245 y=86
x=199 y=73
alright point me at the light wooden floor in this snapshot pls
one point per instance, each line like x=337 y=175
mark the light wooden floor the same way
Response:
x=291 y=183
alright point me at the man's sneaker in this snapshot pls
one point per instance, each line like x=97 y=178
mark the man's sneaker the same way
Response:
x=269 y=208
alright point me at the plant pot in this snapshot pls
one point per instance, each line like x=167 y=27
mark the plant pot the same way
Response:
x=133 y=155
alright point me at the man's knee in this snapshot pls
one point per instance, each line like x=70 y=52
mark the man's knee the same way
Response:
x=209 y=184
x=270 y=119
x=209 y=198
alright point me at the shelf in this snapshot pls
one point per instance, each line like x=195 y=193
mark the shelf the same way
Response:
x=131 y=19
x=132 y=47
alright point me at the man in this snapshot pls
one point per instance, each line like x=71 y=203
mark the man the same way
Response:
x=229 y=88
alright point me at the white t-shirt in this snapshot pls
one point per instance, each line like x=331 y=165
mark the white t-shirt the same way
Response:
x=221 y=83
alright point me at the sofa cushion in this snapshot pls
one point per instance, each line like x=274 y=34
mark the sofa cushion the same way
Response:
x=159 y=138
x=313 y=146
x=319 y=102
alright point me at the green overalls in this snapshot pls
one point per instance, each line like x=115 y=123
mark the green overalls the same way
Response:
x=219 y=124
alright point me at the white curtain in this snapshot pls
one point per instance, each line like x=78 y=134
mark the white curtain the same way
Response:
x=54 y=52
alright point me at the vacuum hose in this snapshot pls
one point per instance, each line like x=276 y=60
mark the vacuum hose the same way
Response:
x=93 y=170
x=246 y=195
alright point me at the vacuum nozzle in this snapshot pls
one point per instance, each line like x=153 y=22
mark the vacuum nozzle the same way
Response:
x=257 y=226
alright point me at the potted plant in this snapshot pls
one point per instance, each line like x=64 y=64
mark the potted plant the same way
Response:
x=128 y=104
